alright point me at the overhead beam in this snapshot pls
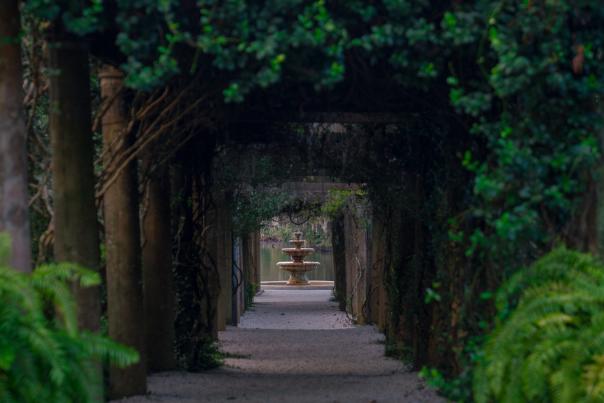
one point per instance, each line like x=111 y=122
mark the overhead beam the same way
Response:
x=331 y=117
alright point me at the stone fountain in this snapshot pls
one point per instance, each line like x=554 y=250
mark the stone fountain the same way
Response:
x=297 y=267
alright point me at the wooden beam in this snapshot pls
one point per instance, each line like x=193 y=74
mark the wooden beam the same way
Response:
x=331 y=117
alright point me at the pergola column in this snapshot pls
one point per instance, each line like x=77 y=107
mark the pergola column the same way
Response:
x=338 y=242
x=158 y=279
x=251 y=263
x=357 y=267
x=122 y=239
x=220 y=235
x=377 y=292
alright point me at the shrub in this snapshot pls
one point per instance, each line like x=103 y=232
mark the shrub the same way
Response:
x=43 y=355
x=548 y=344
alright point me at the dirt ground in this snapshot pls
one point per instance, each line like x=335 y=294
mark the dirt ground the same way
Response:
x=295 y=346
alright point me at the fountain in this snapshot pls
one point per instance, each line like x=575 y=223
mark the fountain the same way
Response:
x=297 y=267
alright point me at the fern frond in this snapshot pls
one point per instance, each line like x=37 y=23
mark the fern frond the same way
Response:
x=550 y=346
x=45 y=358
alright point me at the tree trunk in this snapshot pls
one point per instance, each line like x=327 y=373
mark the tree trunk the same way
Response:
x=158 y=281
x=13 y=152
x=122 y=237
x=75 y=220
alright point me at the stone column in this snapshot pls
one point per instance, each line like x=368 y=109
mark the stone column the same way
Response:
x=339 y=259
x=257 y=260
x=158 y=280
x=122 y=239
x=357 y=271
x=76 y=228
x=75 y=216
x=224 y=259
x=227 y=279
x=377 y=293
x=208 y=247
x=248 y=265
x=14 y=195
x=238 y=280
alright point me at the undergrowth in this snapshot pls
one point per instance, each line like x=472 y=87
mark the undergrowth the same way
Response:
x=44 y=357
x=548 y=340
x=208 y=356
x=548 y=343
x=250 y=291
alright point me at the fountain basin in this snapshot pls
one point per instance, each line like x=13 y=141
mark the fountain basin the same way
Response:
x=289 y=250
x=298 y=254
x=297 y=271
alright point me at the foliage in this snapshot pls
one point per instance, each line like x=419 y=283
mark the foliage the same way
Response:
x=531 y=98
x=249 y=293
x=254 y=206
x=524 y=77
x=525 y=63
x=208 y=356
x=458 y=389
x=548 y=343
x=337 y=200
x=43 y=355
x=77 y=16
x=281 y=229
x=399 y=351
x=253 y=183
x=249 y=40
x=255 y=44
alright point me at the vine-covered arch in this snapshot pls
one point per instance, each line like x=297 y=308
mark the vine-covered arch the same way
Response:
x=474 y=127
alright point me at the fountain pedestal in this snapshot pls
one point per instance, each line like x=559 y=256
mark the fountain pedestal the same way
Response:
x=297 y=267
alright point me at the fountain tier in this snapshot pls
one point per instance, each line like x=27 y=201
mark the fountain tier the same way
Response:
x=297 y=267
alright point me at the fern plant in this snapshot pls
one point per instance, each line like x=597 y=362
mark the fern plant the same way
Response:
x=43 y=355
x=548 y=344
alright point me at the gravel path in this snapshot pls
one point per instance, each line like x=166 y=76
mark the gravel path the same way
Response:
x=295 y=346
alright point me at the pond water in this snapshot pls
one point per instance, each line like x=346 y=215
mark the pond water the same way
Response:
x=270 y=254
